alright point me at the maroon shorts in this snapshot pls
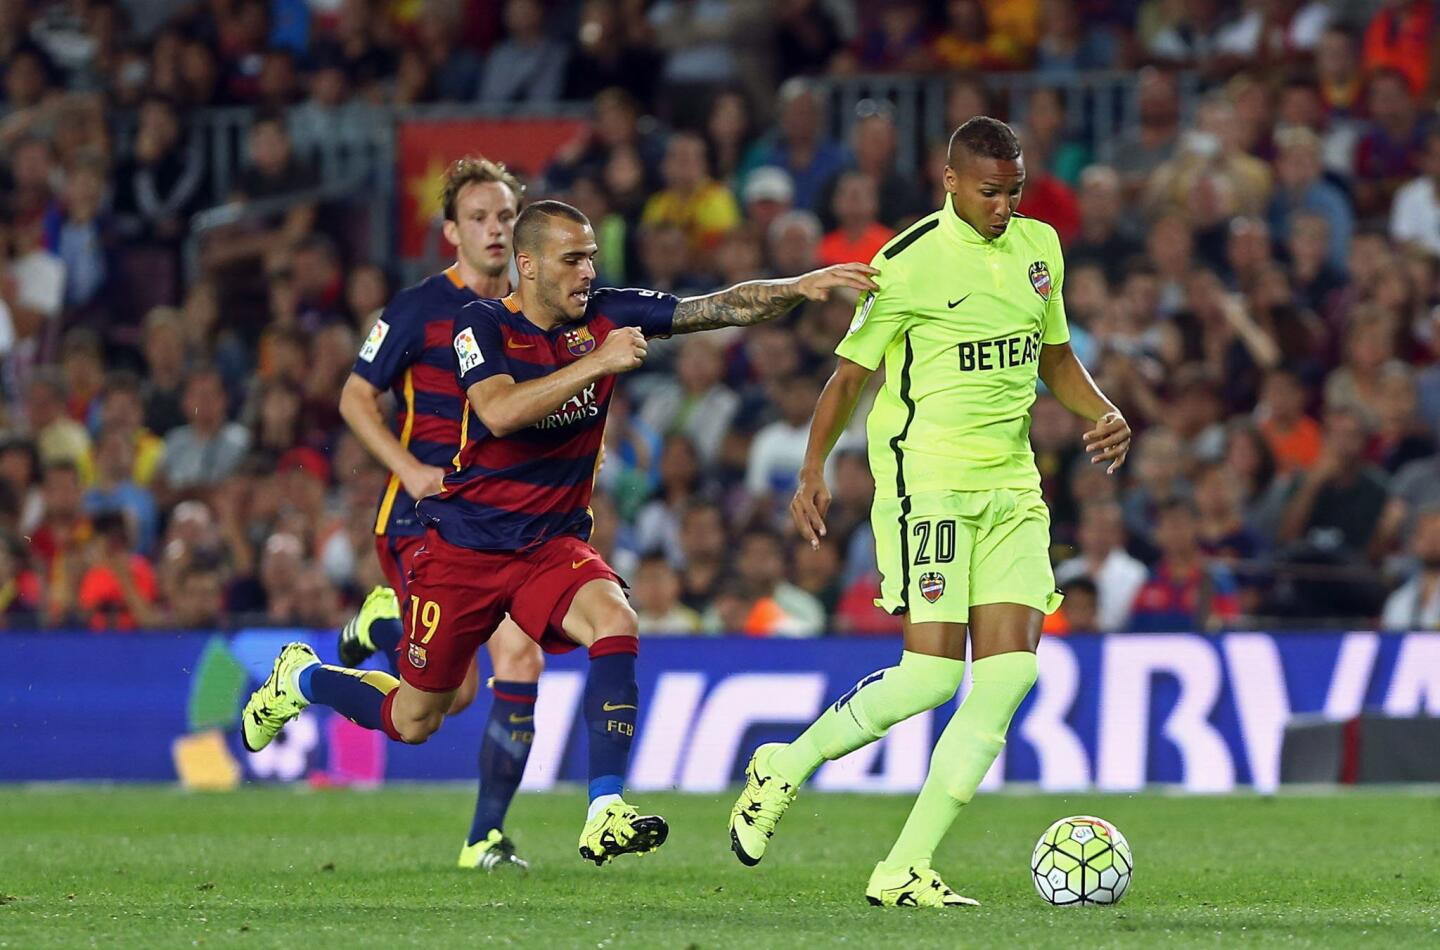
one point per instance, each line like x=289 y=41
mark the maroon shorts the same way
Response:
x=395 y=552
x=459 y=596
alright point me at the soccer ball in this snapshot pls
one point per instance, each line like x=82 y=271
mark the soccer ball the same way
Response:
x=1081 y=860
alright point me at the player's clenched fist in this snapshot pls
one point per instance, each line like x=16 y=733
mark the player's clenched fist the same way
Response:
x=623 y=350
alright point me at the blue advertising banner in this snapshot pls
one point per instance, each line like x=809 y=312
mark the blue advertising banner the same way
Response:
x=1115 y=712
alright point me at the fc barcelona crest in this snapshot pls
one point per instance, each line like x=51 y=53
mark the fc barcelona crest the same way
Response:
x=932 y=585
x=579 y=341
x=1040 y=279
x=416 y=656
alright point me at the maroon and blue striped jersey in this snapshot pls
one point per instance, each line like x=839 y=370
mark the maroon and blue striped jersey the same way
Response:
x=515 y=492
x=409 y=352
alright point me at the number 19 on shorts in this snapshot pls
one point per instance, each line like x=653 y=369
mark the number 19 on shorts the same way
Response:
x=424 y=613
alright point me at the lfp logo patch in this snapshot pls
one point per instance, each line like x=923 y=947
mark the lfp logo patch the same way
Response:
x=579 y=341
x=932 y=585
x=1040 y=279
x=467 y=350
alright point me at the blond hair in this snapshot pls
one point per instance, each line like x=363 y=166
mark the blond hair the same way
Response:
x=472 y=170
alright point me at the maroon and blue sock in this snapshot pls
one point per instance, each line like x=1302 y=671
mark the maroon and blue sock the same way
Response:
x=509 y=734
x=611 y=705
x=386 y=634
x=362 y=696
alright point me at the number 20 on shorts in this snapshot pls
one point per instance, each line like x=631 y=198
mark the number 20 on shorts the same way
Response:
x=424 y=613
x=943 y=533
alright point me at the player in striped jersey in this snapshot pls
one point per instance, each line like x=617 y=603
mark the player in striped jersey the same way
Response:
x=509 y=531
x=408 y=353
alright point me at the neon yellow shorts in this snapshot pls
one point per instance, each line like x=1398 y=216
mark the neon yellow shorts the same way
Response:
x=942 y=552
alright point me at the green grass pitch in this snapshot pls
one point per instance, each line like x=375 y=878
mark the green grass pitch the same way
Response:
x=278 y=867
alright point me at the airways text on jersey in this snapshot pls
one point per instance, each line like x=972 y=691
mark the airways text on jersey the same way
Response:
x=577 y=408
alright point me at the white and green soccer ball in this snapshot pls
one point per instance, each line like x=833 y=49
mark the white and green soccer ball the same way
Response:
x=1081 y=860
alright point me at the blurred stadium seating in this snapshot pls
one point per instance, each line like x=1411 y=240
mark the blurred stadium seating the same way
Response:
x=205 y=205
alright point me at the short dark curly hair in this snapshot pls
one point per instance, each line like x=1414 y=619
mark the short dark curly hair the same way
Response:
x=984 y=137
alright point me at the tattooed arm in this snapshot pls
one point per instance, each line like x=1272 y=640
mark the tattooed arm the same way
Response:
x=757 y=301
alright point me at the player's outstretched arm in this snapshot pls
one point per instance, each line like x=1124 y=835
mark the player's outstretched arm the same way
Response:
x=757 y=301
x=360 y=408
x=832 y=414
x=506 y=406
x=1066 y=377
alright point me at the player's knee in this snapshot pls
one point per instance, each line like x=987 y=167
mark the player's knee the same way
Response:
x=416 y=730
x=519 y=663
x=616 y=620
x=931 y=681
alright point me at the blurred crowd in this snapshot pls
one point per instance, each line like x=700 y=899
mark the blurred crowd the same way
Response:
x=1252 y=278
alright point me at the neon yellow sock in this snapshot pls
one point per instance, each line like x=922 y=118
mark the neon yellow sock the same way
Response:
x=867 y=712
x=965 y=752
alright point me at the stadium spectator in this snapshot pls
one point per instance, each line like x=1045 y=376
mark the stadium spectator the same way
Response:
x=1335 y=505
x=793 y=242
x=1401 y=36
x=207 y=448
x=1415 y=604
x=697 y=402
x=1369 y=351
x=160 y=183
x=1224 y=536
x=1105 y=238
x=198 y=600
x=966 y=41
x=1303 y=187
x=1415 y=213
x=656 y=595
x=1140 y=151
x=1186 y=591
x=1388 y=153
x=691 y=199
x=798 y=144
x=778 y=608
x=1067 y=47
x=611 y=50
x=779 y=448
x=768 y=194
x=114 y=491
x=705 y=544
x=58 y=437
x=1079 y=612
x=858 y=234
x=681 y=486
x=1294 y=438
x=1102 y=559
x=528 y=66
x=807 y=38
x=116 y=590
x=164 y=350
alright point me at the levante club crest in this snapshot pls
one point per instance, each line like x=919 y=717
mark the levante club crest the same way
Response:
x=579 y=341
x=1040 y=279
x=932 y=585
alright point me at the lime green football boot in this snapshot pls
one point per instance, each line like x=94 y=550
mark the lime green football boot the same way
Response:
x=760 y=807
x=619 y=829
x=278 y=699
x=355 y=646
x=912 y=887
x=494 y=852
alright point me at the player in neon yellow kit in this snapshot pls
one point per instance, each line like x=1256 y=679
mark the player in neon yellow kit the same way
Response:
x=969 y=313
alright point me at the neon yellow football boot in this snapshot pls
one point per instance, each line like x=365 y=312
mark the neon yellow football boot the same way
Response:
x=493 y=852
x=278 y=699
x=912 y=887
x=618 y=829
x=760 y=807
x=355 y=646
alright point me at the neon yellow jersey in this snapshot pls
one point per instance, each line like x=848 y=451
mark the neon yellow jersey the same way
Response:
x=959 y=322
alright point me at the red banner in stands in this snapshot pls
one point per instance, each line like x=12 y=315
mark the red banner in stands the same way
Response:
x=428 y=147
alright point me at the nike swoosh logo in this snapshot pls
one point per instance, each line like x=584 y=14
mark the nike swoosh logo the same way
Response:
x=611 y=707
x=956 y=303
x=515 y=718
x=575 y=565
x=519 y=346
